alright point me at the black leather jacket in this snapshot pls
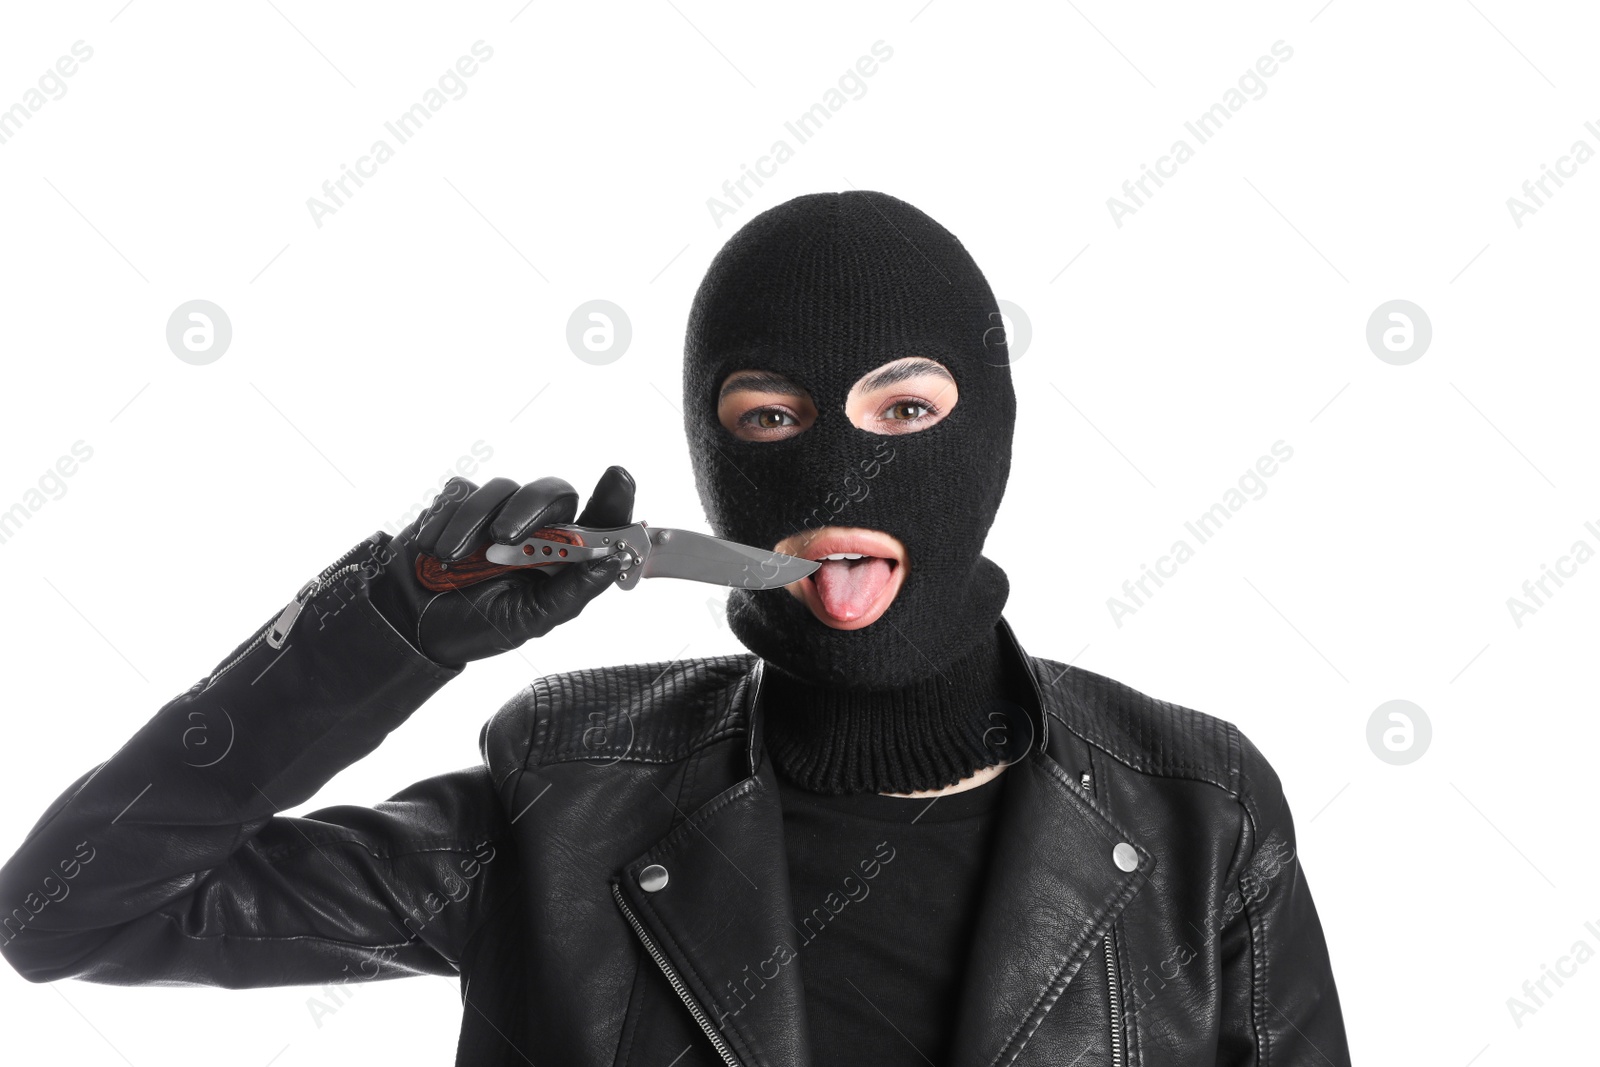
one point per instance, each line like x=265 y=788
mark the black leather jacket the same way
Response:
x=1144 y=904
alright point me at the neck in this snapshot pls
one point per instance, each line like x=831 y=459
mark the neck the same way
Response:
x=922 y=737
x=982 y=776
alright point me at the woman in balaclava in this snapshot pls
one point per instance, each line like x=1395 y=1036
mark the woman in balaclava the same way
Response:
x=886 y=836
x=821 y=294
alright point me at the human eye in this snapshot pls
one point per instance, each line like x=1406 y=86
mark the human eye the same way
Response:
x=908 y=414
x=768 y=422
x=908 y=410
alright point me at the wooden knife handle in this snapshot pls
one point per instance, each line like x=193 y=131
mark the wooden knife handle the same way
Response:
x=441 y=577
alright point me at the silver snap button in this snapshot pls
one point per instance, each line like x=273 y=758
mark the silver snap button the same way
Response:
x=653 y=879
x=1124 y=856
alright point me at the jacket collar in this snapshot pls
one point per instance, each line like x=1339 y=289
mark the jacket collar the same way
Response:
x=723 y=925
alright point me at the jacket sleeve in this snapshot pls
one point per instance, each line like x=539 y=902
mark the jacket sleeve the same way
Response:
x=1279 y=1004
x=168 y=862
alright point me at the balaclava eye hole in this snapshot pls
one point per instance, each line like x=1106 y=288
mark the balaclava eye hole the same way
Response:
x=747 y=395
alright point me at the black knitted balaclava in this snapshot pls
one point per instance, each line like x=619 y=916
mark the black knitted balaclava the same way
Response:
x=823 y=289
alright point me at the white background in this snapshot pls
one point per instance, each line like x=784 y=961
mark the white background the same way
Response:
x=429 y=313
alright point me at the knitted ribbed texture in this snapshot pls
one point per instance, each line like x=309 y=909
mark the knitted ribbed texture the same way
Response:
x=925 y=735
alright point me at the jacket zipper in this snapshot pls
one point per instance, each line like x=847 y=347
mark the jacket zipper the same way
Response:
x=677 y=983
x=1116 y=1001
x=228 y=666
x=276 y=632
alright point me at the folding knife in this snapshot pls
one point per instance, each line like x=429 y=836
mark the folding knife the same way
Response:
x=646 y=552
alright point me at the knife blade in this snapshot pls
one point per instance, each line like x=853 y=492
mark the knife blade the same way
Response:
x=648 y=552
x=699 y=557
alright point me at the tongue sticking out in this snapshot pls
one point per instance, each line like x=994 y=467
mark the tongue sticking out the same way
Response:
x=849 y=587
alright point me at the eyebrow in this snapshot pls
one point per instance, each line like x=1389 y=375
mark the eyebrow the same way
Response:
x=764 y=381
x=904 y=370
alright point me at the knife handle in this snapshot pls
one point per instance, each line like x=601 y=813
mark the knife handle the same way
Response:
x=440 y=577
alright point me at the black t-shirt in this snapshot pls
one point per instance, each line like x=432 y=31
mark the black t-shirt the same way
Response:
x=886 y=893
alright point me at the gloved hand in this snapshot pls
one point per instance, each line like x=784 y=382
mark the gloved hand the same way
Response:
x=498 y=614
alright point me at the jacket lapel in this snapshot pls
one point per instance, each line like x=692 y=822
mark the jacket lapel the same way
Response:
x=1054 y=887
x=723 y=921
x=1052 y=892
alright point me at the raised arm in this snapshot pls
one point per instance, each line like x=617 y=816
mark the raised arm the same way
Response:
x=169 y=863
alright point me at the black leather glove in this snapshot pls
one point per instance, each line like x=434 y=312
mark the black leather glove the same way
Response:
x=500 y=613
